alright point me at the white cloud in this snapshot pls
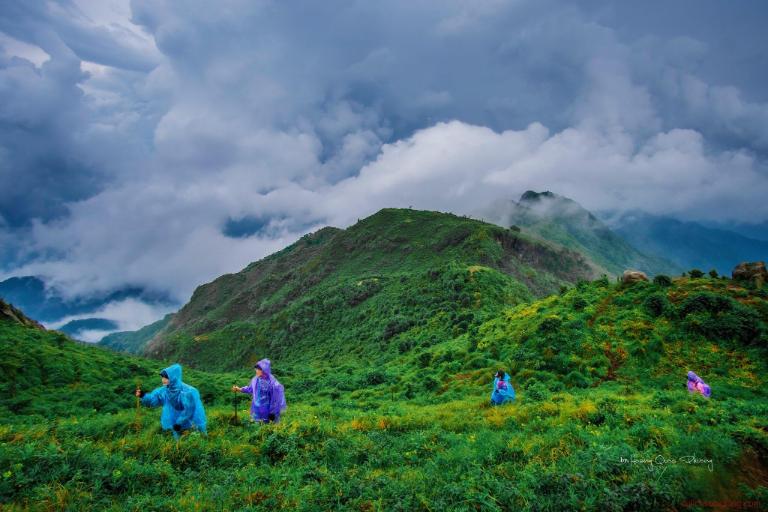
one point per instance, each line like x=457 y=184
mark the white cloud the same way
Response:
x=128 y=314
x=160 y=123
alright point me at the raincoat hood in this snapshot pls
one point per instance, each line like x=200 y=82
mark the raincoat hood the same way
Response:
x=174 y=375
x=266 y=367
x=175 y=385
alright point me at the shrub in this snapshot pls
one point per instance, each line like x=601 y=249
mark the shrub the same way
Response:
x=695 y=273
x=375 y=377
x=721 y=318
x=425 y=359
x=550 y=325
x=662 y=281
x=430 y=383
x=395 y=326
x=603 y=281
x=405 y=346
x=656 y=305
x=537 y=390
x=576 y=379
x=579 y=303
x=705 y=302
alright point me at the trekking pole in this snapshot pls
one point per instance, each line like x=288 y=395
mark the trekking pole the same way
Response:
x=137 y=419
x=235 y=418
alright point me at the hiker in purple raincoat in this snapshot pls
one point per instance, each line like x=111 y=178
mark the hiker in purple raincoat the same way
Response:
x=697 y=385
x=268 y=394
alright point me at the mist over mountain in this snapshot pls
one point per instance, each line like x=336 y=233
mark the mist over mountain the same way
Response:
x=85 y=317
x=562 y=220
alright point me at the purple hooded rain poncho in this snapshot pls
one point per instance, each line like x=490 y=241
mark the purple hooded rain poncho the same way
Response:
x=268 y=395
x=697 y=385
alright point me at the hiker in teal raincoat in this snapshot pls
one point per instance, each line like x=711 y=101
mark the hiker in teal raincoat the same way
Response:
x=182 y=407
x=502 y=389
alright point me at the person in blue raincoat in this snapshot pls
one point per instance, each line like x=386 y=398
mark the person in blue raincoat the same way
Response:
x=268 y=394
x=182 y=407
x=502 y=389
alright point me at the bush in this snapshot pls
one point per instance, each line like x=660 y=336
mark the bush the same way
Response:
x=405 y=346
x=721 y=318
x=395 y=326
x=550 y=325
x=662 y=281
x=576 y=379
x=705 y=302
x=430 y=383
x=656 y=305
x=603 y=281
x=537 y=390
x=695 y=273
x=579 y=303
x=375 y=378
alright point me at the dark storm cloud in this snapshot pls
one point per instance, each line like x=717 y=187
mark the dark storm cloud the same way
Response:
x=42 y=166
x=49 y=24
x=187 y=138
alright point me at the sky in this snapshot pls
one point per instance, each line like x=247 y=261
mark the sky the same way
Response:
x=160 y=143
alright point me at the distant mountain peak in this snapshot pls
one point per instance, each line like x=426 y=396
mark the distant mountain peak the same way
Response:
x=530 y=196
x=564 y=221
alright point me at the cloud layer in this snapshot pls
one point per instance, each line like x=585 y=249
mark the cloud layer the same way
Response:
x=163 y=143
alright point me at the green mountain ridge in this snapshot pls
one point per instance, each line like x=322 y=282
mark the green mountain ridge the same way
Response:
x=133 y=342
x=331 y=289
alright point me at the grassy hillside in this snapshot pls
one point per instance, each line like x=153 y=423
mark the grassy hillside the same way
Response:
x=564 y=221
x=414 y=275
x=47 y=375
x=133 y=342
x=599 y=370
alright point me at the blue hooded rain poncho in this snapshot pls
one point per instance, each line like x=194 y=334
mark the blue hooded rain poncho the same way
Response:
x=182 y=407
x=268 y=395
x=502 y=390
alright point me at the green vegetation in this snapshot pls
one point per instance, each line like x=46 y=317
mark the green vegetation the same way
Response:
x=599 y=371
x=134 y=342
x=46 y=375
x=426 y=276
x=387 y=356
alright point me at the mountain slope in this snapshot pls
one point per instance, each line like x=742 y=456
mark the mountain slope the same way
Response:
x=134 y=342
x=9 y=313
x=353 y=290
x=689 y=244
x=46 y=373
x=564 y=221
x=599 y=372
